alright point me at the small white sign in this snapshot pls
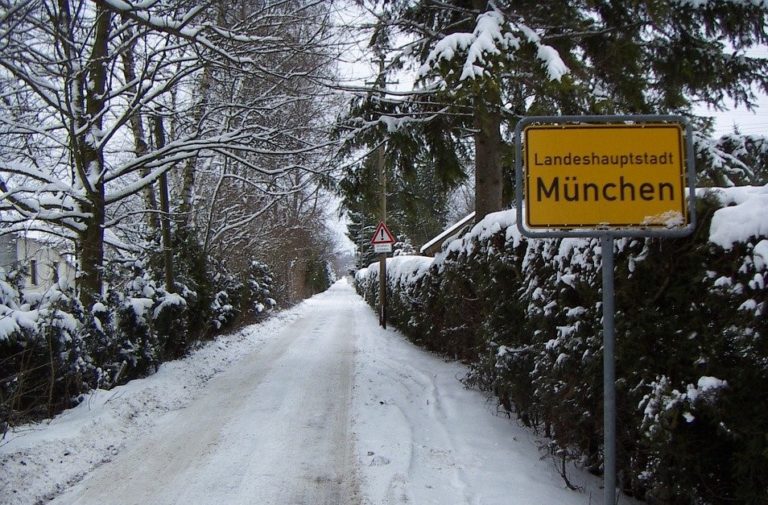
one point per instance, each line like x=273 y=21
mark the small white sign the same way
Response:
x=382 y=248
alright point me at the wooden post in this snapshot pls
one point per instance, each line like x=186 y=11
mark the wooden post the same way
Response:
x=382 y=256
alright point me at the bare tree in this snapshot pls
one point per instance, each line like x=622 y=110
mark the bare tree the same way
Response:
x=79 y=78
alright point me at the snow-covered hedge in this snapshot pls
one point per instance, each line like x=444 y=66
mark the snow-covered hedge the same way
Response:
x=692 y=342
x=52 y=349
x=42 y=353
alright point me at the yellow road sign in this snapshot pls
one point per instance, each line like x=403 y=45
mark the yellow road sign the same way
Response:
x=605 y=176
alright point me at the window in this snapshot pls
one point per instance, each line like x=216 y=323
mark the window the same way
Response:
x=33 y=272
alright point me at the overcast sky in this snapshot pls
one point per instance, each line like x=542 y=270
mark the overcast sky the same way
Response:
x=749 y=123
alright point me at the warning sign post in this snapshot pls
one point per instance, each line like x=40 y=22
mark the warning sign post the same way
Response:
x=382 y=241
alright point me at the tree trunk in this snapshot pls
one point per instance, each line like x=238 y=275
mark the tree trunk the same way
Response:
x=137 y=127
x=487 y=117
x=188 y=176
x=165 y=208
x=89 y=156
x=91 y=278
x=488 y=170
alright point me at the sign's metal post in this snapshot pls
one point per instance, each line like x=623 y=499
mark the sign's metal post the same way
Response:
x=605 y=177
x=609 y=374
x=382 y=243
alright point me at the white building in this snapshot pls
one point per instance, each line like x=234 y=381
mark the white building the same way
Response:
x=45 y=262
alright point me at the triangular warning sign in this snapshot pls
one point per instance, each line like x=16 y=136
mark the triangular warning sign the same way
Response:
x=382 y=235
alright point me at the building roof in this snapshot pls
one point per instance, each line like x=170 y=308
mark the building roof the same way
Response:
x=433 y=246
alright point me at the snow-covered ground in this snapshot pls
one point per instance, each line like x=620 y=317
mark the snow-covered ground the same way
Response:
x=318 y=405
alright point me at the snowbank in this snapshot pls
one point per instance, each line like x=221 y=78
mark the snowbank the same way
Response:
x=403 y=269
x=743 y=216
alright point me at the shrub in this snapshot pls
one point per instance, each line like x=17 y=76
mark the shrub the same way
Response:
x=52 y=349
x=43 y=359
x=257 y=299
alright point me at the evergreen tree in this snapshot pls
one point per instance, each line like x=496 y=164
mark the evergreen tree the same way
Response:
x=482 y=65
x=417 y=204
x=751 y=157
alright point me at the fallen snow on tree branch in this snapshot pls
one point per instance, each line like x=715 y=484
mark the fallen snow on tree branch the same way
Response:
x=744 y=215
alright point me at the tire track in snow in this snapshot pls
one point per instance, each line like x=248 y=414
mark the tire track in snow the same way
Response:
x=437 y=448
x=417 y=446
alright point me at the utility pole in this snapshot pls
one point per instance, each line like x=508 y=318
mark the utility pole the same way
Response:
x=380 y=162
x=383 y=219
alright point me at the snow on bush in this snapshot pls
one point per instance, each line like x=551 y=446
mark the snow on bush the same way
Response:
x=43 y=358
x=743 y=215
x=52 y=349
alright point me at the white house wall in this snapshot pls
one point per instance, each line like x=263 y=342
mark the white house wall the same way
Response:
x=50 y=265
x=7 y=252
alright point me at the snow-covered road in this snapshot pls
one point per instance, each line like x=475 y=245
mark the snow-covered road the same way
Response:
x=273 y=429
x=316 y=406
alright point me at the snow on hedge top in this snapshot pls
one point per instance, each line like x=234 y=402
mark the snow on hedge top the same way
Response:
x=408 y=268
x=492 y=36
x=703 y=3
x=482 y=231
x=403 y=269
x=744 y=215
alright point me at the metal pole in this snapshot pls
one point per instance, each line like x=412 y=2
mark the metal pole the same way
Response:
x=382 y=256
x=609 y=374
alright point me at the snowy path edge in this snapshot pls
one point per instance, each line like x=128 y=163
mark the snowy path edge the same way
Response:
x=51 y=456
